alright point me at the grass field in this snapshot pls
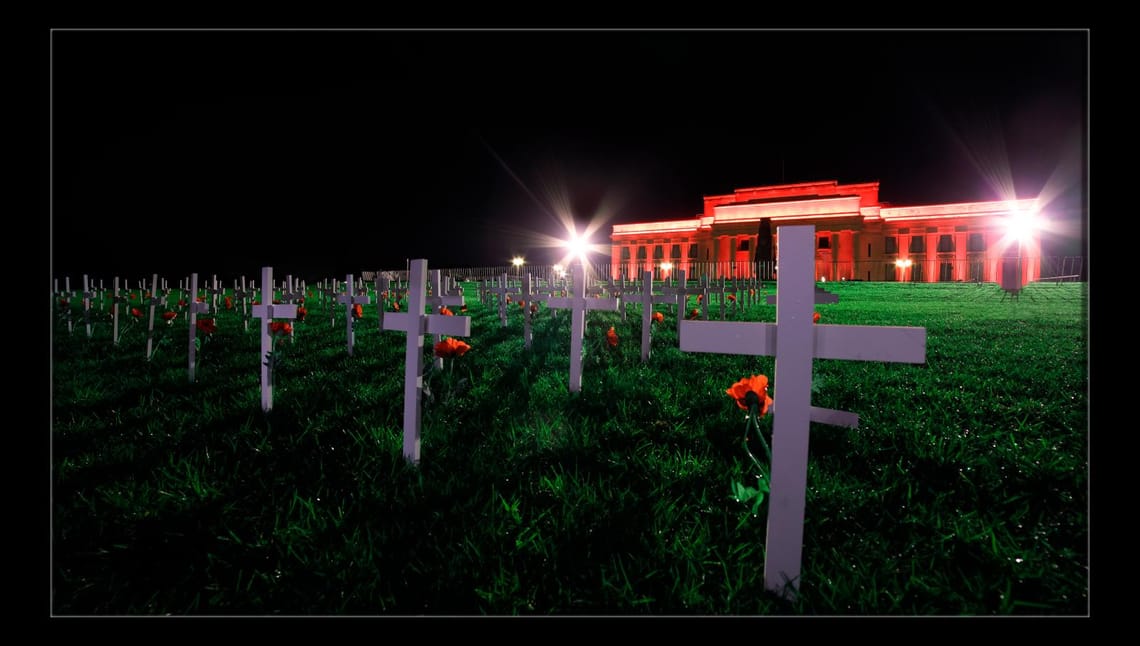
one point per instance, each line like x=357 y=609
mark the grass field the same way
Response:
x=963 y=491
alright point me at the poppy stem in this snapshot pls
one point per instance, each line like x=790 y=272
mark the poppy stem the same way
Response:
x=752 y=422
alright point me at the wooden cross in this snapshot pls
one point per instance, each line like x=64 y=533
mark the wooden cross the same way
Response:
x=195 y=308
x=796 y=344
x=267 y=311
x=415 y=323
x=437 y=300
x=578 y=304
x=349 y=299
x=618 y=289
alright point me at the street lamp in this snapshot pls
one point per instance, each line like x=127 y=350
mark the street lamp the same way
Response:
x=518 y=262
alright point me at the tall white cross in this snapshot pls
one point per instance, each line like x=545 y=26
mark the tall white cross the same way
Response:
x=415 y=323
x=195 y=308
x=798 y=342
x=578 y=304
x=349 y=299
x=266 y=312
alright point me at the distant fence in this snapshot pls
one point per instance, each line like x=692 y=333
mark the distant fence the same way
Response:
x=1053 y=269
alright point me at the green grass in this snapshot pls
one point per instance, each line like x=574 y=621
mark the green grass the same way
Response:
x=963 y=491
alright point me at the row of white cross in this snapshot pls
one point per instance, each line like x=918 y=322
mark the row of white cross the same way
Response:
x=798 y=341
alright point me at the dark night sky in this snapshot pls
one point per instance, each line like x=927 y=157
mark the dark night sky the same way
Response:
x=324 y=152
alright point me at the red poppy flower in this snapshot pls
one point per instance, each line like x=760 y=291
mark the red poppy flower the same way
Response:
x=301 y=313
x=280 y=327
x=181 y=302
x=206 y=326
x=300 y=300
x=310 y=293
x=658 y=317
x=757 y=384
x=446 y=312
x=815 y=317
x=201 y=299
x=700 y=297
x=256 y=302
x=170 y=316
x=451 y=347
x=229 y=302
x=358 y=311
x=396 y=305
x=522 y=305
x=508 y=299
x=63 y=301
x=612 y=337
x=694 y=314
x=383 y=295
x=277 y=301
x=136 y=313
x=134 y=297
x=534 y=308
x=732 y=298
x=463 y=308
x=751 y=292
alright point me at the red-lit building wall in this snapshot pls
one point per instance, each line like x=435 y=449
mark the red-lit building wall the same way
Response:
x=858 y=238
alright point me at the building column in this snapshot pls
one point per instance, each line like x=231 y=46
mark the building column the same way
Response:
x=961 y=263
x=931 y=258
x=845 y=254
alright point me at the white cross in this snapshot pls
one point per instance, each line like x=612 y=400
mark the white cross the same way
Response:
x=798 y=342
x=647 y=299
x=155 y=299
x=578 y=304
x=383 y=284
x=68 y=295
x=349 y=299
x=502 y=290
x=115 y=300
x=87 y=296
x=618 y=290
x=821 y=297
x=195 y=308
x=415 y=323
x=437 y=300
x=266 y=312
x=682 y=292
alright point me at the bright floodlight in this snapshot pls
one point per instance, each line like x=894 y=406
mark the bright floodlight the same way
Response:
x=577 y=246
x=558 y=268
x=903 y=263
x=666 y=265
x=517 y=261
x=1020 y=225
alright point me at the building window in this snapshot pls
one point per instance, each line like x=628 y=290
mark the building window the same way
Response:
x=976 y=242
x=825 y=242
x=945 y=243
x=890 y=272
x=641 y=253
x=868 y=252
x=743 y=246
x=976 y=272
x=945 y=272
x=658 y=252
x=693 y=252
x=916 y=273
x=892 y=245
x=675 y=251
x=625 y=253
x=917 y=244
